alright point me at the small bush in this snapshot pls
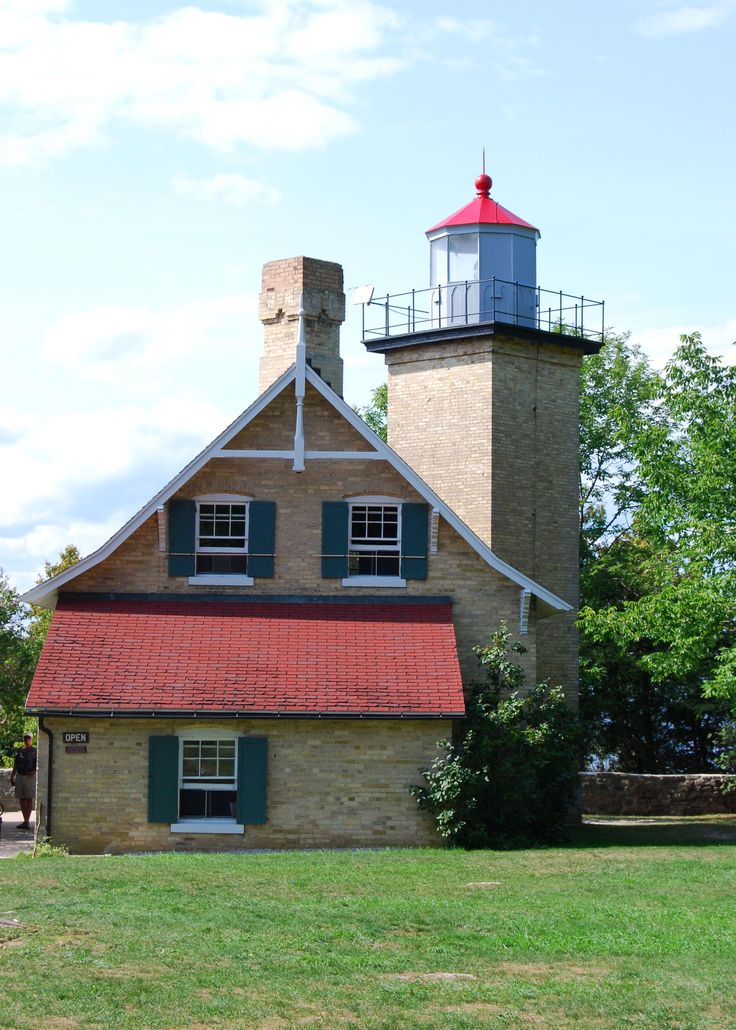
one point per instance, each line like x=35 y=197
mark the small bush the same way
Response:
x=512 y=778
x=44 y=848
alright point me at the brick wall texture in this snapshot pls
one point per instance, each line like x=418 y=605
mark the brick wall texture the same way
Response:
x=331 y=783
x=491 y=423
x=318 y=285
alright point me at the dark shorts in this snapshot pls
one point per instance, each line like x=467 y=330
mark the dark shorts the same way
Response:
x=25 y=787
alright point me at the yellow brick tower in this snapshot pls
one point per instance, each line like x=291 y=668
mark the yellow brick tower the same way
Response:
x=483 y=382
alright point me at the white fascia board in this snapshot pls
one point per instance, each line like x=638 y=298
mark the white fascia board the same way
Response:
x=548 y=599
x=45 y=594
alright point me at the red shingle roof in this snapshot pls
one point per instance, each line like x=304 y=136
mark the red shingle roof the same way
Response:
x=287 y=658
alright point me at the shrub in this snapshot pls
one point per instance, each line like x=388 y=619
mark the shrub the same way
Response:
x=44 y=848
x=511 y=780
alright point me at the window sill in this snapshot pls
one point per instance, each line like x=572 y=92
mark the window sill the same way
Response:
x=208 y=826
x=212 y=580
x=374 y=581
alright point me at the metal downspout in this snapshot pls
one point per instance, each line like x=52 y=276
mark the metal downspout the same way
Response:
x=50 y=773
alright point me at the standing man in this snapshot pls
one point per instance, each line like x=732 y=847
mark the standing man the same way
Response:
x=23 y=778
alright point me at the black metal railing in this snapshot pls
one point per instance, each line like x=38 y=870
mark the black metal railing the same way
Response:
x=477 y=301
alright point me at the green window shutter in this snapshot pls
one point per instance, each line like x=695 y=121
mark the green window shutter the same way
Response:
x=261 y=538
x=163 y=779
x=182 y=516
x=414 y=537
x=335 y=516
x=252 y=772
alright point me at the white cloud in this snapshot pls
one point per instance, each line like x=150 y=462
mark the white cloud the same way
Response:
x=681 y=19
x=278 y=78
x=49 y=460
x=133 y=348
x=232 y=188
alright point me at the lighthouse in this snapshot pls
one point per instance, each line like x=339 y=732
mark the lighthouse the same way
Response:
x=483 y=400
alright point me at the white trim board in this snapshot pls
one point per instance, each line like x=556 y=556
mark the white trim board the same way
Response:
x=45 y=594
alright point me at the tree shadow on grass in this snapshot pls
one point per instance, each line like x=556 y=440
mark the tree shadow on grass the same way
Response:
x=653 y=831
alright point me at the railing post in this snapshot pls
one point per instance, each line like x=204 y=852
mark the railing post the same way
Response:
x=439 y=304
x=582 y=316
x=466 y=301
x=576 y=320
x=539 y=308
x=560 y=311
x=516 y=302
x=493 y=295
x=603 y=319
x=413 y=313
x=387 y=326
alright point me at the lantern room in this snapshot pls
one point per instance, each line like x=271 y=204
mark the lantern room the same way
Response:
x=483 y=263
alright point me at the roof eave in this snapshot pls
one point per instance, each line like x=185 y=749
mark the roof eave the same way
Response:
x=195 y=713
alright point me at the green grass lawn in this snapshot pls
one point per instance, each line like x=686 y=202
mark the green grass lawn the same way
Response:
x=633 y=926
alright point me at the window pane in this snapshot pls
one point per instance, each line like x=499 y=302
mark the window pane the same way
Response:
x=208 y=767
x=438 y=261
x=221 y=804
x=190 y=767
x=388 y=564
x=463 y=257
x=192 y=804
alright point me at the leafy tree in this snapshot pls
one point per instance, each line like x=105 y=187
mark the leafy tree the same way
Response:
x=17 y=661
x=21 y=640
x=375 y=414
x=658 y=617
x=617 y=399
x=511 y=779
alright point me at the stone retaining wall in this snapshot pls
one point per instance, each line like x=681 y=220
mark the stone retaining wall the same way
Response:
x=610 y=793
x=7 y=796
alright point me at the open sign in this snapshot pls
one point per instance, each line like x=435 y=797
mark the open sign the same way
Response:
x=76 y=738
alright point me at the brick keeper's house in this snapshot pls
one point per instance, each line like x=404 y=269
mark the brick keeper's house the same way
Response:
x=266 y=654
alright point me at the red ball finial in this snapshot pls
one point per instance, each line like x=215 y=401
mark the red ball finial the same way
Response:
x=483 y=185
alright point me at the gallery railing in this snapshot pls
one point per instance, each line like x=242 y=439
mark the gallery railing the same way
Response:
x=476 y=301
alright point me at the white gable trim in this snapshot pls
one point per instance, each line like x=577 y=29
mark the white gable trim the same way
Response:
x=45 y=593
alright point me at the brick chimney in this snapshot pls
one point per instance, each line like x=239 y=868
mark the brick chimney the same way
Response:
x=320 y=284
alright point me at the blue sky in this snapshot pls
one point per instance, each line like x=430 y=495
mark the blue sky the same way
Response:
x=154 y=155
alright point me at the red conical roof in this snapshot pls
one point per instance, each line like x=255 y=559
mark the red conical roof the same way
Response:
x=482 y=210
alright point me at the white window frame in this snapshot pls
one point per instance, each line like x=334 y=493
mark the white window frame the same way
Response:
x=374 y=581
x=205 y=825
x=224 y=578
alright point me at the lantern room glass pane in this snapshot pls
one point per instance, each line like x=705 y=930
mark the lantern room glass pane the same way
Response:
x=438 y=261
x=463 y=257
